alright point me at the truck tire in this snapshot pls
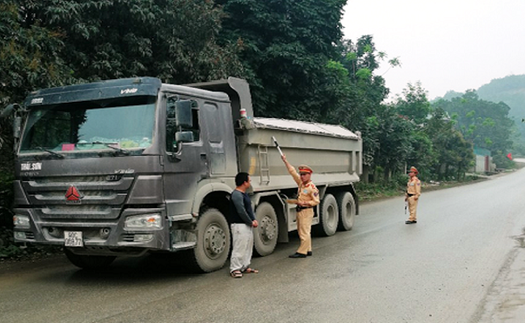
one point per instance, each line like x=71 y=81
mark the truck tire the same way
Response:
x=213 y=242
x=329 y=217
x=265 y=235
x=89 y=262
x=346 y=204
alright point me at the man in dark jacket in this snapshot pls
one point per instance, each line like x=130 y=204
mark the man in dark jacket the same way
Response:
x=242 y=221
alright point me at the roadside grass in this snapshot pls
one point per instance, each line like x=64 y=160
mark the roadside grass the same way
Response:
x=373 y=191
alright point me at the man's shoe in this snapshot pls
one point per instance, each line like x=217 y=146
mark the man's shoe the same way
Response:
x=410 y=222
x=309 y=253
x=297 y=255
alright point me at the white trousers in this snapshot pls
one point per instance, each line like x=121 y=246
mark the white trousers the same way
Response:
x=242 y=240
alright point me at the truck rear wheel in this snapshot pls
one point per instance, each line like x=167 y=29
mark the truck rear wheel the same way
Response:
x=89 y=262
x=265 y=235
x=329 y=217
x=213 y=242
x=346 y=204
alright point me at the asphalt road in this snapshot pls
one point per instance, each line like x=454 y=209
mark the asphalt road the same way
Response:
x=442 y=269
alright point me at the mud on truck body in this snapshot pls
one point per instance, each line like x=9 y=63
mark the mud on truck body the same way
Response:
x=129 y=166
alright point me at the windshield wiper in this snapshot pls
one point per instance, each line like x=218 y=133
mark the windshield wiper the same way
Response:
x=51 y=152
x=109 y=145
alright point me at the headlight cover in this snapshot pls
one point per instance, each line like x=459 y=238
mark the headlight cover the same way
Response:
x=147 y=221
x=21 y=222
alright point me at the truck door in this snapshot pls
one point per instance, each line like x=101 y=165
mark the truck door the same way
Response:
x=185 y=161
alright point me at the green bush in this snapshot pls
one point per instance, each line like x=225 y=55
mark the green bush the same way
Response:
x=11 y=250
x=369 y=191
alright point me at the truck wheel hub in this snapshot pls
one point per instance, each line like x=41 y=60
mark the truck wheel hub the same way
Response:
x=268 y=228
x=215 y=239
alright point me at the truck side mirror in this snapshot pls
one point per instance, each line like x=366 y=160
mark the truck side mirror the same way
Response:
x=184 y=136
x=184 y=114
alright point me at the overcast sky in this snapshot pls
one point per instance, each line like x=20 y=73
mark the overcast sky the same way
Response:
x=446 y=45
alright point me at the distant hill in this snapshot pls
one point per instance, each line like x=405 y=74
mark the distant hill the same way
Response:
x=450 y=95
x=511 y=90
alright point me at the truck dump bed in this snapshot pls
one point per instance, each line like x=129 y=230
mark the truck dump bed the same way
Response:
x=333 y=152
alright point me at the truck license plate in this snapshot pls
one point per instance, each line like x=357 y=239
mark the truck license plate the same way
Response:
x=73 y=239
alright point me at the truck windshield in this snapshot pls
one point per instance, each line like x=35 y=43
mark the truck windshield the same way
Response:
x=68 y=128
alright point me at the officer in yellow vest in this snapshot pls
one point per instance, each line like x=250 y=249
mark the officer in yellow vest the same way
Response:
x=307 y=199
x=412 y=194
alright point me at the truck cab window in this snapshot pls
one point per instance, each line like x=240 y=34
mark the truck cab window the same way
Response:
x=91 y=125
x=185 y=126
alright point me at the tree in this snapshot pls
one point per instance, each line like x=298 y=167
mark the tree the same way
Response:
x=173 y=40
x=414 y=106
x=364 y=95
x=30 y=54
x=454 y=154
x=485 y=124
x=394 y=136
x=414 y=103
x=286 y=49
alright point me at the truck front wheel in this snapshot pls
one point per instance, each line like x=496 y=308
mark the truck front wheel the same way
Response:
x=213 y=242
x=265 y=235
x=88 y=262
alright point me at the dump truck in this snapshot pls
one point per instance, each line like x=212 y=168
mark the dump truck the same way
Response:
x=130 y=166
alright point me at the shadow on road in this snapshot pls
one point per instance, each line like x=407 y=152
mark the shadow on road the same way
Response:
x=135 y=270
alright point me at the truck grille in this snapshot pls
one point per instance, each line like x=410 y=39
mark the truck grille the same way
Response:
x=94 y=197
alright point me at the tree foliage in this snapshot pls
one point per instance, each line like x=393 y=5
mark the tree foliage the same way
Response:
x=31 y=55
x=287 y=46
x=173 y=40
x=486 y=124
x=454 y=154
x=511 y=91
x=414 y=103
x=364 y=93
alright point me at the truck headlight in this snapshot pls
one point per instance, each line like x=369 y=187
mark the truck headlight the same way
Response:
x=149 y=221
x=21 y=221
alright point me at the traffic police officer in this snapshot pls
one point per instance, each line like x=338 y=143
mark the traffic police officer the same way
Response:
x=412 y=194
x=307 y=198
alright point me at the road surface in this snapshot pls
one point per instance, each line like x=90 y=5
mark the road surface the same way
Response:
x=452 y=266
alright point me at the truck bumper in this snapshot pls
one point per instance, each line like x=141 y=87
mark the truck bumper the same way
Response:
x=98 y=236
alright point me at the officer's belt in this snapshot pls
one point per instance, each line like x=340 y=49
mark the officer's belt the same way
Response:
x=410 y=195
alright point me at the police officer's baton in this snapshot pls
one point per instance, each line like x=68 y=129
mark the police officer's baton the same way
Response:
x=277 y=145
x=406 y=205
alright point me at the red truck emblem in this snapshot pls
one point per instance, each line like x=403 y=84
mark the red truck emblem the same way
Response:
x=73 y=194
